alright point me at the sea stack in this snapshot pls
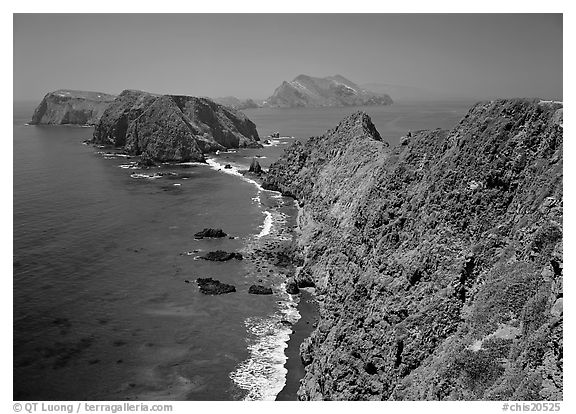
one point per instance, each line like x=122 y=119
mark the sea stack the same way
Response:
x=439 y=261
x=66 y=106
x=172 y=127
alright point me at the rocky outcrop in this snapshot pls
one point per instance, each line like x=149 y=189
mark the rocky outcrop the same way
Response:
x=171 y=127
x=209 y=286
x=71 y=107
x=334 y=91
x=259 y=290
x=255 y=167
x=439 y=262
x=210 y=233
x=222 y=256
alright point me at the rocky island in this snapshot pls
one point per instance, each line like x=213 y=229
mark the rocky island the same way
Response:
x=172 y=127
x=237 y=103
x=438 y=264
x=66 y=106
x=332 y=91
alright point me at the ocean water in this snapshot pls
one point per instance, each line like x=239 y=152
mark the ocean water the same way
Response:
x=105 y=301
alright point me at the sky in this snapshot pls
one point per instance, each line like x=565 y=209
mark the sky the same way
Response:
x=465 y=56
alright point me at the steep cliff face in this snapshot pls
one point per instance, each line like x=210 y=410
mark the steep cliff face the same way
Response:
x=438 y=263
x=71 y=107
x=308 y=91
x=171 y=127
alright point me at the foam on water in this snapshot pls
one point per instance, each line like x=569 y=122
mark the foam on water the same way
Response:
x=263 y=374
x=131 y=166
x=111 y=155
x=145 y=176
x=273 y=143
x=267 y=226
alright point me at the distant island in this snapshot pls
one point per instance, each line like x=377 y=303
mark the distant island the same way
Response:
x=332 y=91
x=66 y=106
x=237 y=103
x=73 y=107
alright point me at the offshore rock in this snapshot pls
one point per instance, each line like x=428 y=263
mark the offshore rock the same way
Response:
x=433 y=288
x=66 y=106
x=209 y=286
x=259 y=290
x=172 y=127
x=210 y=233
x=221 y=256
x=333 y=91
x=255 y=167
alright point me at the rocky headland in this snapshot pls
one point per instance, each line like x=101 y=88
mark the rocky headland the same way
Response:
x=66 y=106
x=438 y=264
x=172 y=127
x=332 y=91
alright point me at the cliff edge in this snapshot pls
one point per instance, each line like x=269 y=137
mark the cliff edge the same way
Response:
x=66 y=106
x=438 y=264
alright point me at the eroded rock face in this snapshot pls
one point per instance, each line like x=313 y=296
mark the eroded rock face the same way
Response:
x=173 y=128
x=71 y=107
x=439 y=261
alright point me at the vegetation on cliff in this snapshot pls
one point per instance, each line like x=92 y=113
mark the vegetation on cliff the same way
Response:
x=438 y=263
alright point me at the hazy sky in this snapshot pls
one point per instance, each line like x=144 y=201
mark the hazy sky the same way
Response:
x=471 y=55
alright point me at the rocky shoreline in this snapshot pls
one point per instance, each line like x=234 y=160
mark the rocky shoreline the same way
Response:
x=439 y=261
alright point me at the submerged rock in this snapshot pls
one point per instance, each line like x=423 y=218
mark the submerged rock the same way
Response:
x=209 y=286
x=259 y=290
x=66 y=106
x=210 y=233
x=221 y=256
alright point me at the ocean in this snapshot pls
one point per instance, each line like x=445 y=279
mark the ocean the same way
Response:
x=105 y=301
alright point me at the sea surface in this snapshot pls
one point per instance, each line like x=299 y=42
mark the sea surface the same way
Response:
x=106 y=306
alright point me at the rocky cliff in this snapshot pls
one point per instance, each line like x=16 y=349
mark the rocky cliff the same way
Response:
x=334 y=91
x=172 y=127
x=71 y=107
x=438 y=263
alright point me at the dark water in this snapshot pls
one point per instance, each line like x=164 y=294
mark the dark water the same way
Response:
x=102 y=254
